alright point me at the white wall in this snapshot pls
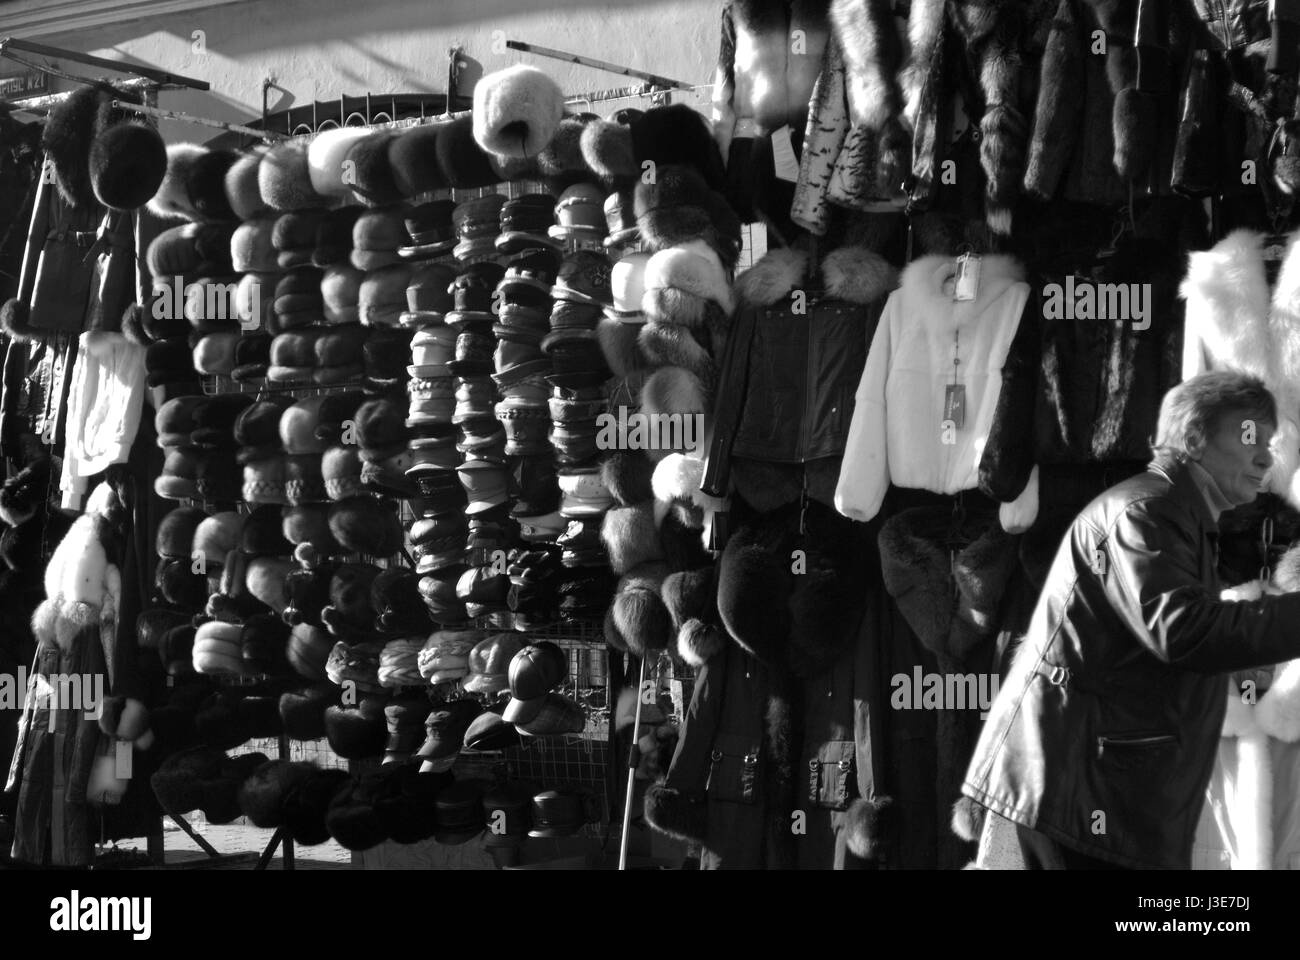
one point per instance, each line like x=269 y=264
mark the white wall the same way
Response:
x=319 y=49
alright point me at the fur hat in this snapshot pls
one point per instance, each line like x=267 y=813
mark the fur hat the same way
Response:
x=284 y=178
x=461 y=160
x=260 y=533
x=639 y=619
x=305 y=806
x=349 y=610
x=381 y=428
x=262 y=795
x=302 y=711
x=216 y=536
x=175 y=539
x=356 y=733
x=373 y=181
x=172 y=199
x=70 y=128
x=308 y=523
x=678 y=135
x=365 y=525
x=608 y=149
x=179 y=585
x=413 y=154
x=681 y=281
x=919 y=574
x=326 y=158
x=691 y=600
x=626 y=473
x=241 y=185
x=128 y=162
x=516 y=111
x=631 y=536
x=561 y=162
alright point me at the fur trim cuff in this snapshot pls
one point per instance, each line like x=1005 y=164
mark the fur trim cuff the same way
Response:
x=676 y=815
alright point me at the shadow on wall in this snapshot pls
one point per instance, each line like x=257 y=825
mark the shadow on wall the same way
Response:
x=318 y=49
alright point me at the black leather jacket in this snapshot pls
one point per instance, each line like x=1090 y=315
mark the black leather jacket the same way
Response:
x=1104 y=732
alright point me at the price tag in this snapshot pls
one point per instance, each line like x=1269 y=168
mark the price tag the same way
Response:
x=967 y=285
x=786 y=163
x=954 y=404
x=122 y=765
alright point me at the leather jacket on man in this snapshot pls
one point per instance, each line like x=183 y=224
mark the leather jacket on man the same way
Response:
x=1104 y=733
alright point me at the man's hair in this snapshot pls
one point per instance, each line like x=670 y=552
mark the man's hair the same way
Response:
x=1189 y=410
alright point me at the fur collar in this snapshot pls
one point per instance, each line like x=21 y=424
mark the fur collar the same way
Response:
x=923 y=281
x=853 y=274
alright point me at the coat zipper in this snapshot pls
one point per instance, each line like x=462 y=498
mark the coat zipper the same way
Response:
x=806 y=425
x=1151 y=741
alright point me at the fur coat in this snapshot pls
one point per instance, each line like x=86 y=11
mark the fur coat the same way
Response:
x=771 y=53
x=1251 y=803
x=1235 y=321
x=900 y=432
x=67 y=762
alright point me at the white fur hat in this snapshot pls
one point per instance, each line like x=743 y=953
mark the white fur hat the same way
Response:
x=325 y=156
x=516 y=111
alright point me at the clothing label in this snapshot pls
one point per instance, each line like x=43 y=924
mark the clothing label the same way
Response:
x=786 y=163
x=967 y=286
x=122 y=761
x=954 y=404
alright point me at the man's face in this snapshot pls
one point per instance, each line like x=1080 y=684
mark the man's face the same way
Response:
x=1236 y=454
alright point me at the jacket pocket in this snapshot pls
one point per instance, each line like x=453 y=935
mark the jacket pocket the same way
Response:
x=830 y=775
x=1132 y=747
x=733 y=769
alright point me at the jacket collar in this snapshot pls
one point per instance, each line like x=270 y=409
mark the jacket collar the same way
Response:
x=1185 y=490
x=852 y=274
x=924 y=279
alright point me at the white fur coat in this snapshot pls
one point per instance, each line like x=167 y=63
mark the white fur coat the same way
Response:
x=1234 y=321
x=1245 y=815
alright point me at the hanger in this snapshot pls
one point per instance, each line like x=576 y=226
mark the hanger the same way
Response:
x=149 y=111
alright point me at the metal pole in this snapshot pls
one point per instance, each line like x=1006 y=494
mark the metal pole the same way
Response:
x=201 y=121
x=151 y=73
x=633 y=755
x=597 y=64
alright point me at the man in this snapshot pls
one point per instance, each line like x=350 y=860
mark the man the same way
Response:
x=1101 y=741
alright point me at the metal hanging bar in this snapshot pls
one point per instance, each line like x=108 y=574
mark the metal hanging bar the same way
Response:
x=201 y=121
x=597 y=64
x=149 y=73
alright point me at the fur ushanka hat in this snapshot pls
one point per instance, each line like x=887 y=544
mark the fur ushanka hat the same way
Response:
x=671 y=135
x=284 y=178
x=194 y=187
x=127 y=164
x=920 y=575
x=516 y=111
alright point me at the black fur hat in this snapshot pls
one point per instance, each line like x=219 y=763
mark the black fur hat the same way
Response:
x=462 y=161
x=261 y=797
x=373 y=180
x=127 y=164
x=678 y=134
x=303 y=811
x=352 y=819
x=70 y=130
x=302 y=711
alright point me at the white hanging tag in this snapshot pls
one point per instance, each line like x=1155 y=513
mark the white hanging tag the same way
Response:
x=967 y=285
x=784 y=160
